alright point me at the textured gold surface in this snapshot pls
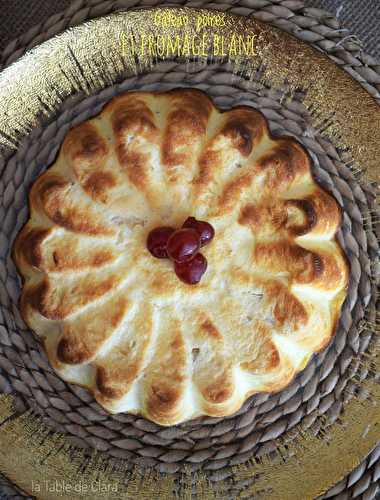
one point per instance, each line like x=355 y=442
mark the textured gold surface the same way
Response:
x=94 y=55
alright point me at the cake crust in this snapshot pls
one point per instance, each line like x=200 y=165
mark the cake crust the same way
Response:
x=119 y=322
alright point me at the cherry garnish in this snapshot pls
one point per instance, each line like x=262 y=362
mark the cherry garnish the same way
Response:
x=183 y=245
x=157 y=241
x=191 y=271
x=204 y=229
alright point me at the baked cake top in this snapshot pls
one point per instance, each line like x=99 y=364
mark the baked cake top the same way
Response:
x=118 y=321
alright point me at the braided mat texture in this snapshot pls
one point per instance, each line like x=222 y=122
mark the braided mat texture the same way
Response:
x=214 y=445
x=9 y=491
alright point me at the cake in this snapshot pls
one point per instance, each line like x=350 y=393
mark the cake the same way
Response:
x=119 y=322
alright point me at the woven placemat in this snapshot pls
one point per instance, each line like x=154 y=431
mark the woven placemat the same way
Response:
x=211 y=444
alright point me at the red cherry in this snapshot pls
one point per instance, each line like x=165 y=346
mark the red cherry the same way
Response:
x=157 y=241
x=191 y=272
x=204 y=229
x=183 y=245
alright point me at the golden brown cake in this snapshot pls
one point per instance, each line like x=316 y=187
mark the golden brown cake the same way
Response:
x=118 y=321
